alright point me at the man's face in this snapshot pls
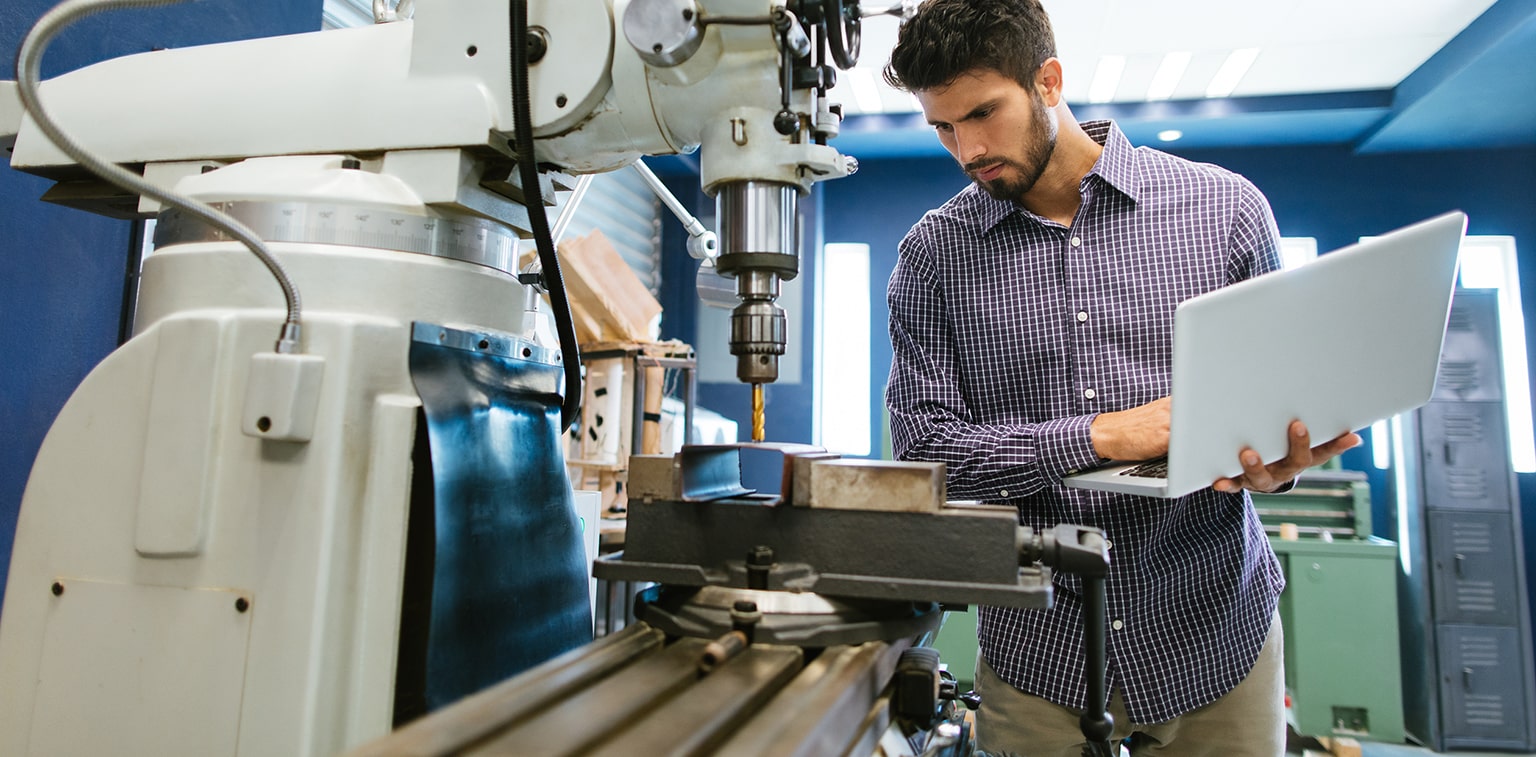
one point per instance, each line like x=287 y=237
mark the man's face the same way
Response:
x=1000 y=132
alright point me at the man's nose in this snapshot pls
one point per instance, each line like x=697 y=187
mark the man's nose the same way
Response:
x=969 y=146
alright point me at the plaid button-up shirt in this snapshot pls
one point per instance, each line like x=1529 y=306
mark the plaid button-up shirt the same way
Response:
x=1011 y=333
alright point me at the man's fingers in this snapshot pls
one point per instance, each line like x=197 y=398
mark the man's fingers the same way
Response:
x=1300 y=452
x=1256 y=475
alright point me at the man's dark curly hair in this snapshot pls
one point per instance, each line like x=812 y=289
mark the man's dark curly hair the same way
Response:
x=950 y=37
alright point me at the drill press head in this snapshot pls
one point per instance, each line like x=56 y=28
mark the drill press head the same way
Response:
x=759 y=248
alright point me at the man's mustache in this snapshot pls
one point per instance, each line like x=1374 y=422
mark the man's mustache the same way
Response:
x=982 y=165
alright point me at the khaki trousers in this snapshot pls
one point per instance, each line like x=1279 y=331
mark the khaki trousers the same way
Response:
x=1248 y=722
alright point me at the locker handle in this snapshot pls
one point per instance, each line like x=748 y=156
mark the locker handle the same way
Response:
x=1448 y=460
x=1460 y=560
x=1466 y=679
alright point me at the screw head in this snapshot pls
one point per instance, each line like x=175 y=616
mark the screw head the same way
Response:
x=58 y=589
x=242 y=604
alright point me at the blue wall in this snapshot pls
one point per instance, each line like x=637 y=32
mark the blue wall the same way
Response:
x=62 y=270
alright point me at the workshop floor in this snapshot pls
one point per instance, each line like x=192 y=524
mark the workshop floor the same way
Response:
x=1369 y=749
x=1374 y=749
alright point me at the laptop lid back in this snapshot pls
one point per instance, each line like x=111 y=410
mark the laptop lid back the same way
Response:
x=1339 y=343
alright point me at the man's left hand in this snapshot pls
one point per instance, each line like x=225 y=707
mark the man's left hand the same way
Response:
x=1302 y=455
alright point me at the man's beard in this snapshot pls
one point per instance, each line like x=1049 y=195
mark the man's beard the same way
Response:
x=1037 y=156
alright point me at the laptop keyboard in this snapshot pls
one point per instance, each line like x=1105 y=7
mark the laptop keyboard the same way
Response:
x=1151 y=469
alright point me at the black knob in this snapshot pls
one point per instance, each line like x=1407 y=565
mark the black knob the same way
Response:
x=786 y=122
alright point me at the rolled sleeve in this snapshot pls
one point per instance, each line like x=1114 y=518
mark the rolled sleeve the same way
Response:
x=1066 y=446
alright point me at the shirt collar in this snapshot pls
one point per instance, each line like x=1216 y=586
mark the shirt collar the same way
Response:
x=1116 y=166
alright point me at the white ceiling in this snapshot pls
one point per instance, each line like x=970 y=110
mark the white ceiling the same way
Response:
x=1305 y=46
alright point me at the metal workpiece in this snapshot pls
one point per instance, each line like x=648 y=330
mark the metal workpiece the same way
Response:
x=665 y=33
x=860 y=484
x=812 y=477
x=707 y=472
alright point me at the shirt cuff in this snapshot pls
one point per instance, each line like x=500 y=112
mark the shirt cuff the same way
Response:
x=1066 y=446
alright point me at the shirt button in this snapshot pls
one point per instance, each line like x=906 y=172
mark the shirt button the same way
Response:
x=1002 y=492
x=1082 y=315
x=1117 y=625
x=1077 y=241
x=1089 y=393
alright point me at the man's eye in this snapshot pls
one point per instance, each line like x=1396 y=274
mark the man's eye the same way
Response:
x=943 y=128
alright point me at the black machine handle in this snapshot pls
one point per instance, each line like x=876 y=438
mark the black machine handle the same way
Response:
x=1084 y=552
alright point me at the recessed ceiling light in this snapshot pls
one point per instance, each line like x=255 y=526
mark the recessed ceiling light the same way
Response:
x=1106 y=79
x=1232 y=72
x=1168 y=75
x=1170 y=135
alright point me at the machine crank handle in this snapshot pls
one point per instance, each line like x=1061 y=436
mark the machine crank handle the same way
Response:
x=1079 y=550
x=1085 y=552
x=702 y=243
x=1096 y=722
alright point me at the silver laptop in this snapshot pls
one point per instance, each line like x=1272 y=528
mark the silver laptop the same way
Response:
x=1339 y=343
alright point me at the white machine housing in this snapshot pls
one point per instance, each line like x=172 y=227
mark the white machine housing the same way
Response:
x=181 y=584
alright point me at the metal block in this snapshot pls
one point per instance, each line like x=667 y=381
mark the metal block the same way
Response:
x=799 y=494
x=880 y=485
x=652 y=477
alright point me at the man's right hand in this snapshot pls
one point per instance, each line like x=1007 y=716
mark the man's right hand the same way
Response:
x=1140 y=433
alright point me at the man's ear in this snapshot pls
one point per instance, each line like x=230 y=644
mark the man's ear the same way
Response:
x=1048 y=82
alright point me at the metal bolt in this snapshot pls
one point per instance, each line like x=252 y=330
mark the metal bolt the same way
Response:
x=759 y=559
x=58 y=589
x=538 y=44
x=741 y=605
x=242 y=604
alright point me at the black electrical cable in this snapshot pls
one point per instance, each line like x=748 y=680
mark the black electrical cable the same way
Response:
x=522 y=128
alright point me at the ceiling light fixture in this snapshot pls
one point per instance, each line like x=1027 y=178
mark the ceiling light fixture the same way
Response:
x=1106 y=79
x=1170 y=135
x=1232 y=72
x=1169 y=73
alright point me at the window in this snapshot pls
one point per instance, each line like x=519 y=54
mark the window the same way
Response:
x=842 y=416
x=1296 y=251
x=1489 y=262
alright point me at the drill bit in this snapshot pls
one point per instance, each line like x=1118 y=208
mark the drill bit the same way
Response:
x=757 y=413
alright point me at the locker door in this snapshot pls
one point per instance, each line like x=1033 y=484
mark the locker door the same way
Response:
x=1481 y=691
x=1469 y=357
x=1465 y=456
x=1474 y=580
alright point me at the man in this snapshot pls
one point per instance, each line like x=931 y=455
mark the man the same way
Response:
x=1031 y=320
